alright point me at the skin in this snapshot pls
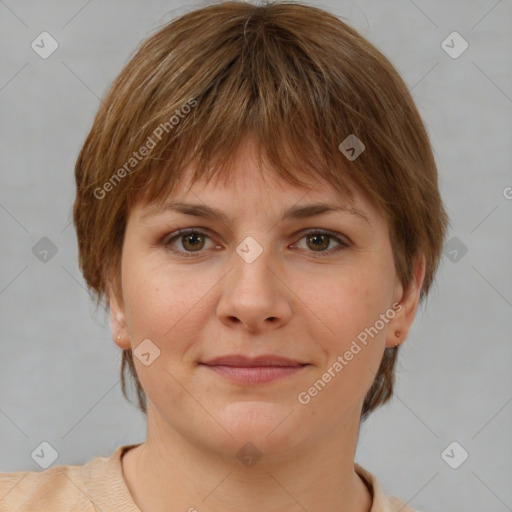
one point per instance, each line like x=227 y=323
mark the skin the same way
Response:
x=293 y=300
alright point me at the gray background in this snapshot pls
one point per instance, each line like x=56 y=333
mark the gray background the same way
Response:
x=59 y=369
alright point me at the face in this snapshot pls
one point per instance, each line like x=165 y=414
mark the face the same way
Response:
x=315 y=293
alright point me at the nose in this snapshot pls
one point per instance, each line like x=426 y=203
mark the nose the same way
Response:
x=255 y=295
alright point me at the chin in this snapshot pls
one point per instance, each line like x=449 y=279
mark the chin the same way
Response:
x=267 y=426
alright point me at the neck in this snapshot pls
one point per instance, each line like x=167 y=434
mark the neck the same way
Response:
x=172 y=471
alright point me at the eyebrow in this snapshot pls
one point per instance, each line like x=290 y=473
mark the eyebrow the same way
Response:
x=295 y=212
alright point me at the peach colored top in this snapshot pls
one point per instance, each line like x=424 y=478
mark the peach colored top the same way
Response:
x=99 y=485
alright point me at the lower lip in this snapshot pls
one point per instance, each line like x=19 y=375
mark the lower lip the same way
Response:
x=255 y=374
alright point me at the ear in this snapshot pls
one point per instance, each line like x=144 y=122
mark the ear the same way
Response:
x=117 y=317
x=406 y=305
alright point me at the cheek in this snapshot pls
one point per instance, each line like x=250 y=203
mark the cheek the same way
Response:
x=349 y=305
x=349 y=349
x=352 y=299
x=168 y=308
x=163 y=304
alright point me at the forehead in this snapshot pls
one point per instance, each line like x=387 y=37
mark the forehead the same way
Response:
x=247 y=180
x=250 y=178
x=254 y=191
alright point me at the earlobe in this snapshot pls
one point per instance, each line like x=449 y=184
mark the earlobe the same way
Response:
x=407 y=307
x=398 y=341
x=117 y=319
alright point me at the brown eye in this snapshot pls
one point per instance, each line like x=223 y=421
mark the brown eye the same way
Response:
x=318 y=242
x=188 y=242
x=193 y=241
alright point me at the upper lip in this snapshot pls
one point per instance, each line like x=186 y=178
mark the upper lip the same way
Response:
x=241 y=361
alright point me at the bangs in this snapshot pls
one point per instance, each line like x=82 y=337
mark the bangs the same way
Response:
x=216 y=160
x=260 y=82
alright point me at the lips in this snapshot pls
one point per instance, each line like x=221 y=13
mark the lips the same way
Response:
x=241 y=361
x=253 y=370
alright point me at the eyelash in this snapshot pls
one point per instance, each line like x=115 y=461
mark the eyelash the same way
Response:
x=187 y=254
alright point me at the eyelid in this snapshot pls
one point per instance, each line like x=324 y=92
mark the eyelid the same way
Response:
x=343 y=241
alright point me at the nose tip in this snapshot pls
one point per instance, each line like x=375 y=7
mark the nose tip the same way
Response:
x=253 y=294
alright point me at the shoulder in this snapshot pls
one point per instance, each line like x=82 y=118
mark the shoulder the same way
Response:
x=64 y=488
x=381 y=502
x=55 y=489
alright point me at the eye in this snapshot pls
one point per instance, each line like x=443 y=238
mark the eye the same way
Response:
x=320 y=240
x=193 y=240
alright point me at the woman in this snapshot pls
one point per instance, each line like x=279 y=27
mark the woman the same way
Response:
x=257 y=204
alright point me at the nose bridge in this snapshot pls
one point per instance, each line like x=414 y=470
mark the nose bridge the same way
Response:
x=252 y=259
x=253 y=294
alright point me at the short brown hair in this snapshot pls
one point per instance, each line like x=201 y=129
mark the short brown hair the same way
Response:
x=301 y=80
